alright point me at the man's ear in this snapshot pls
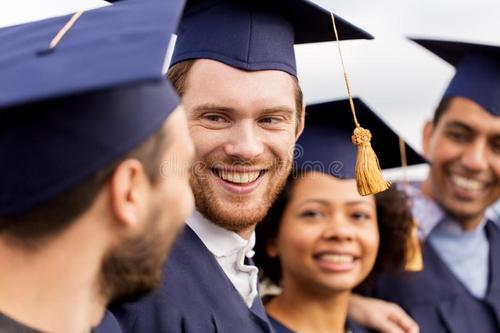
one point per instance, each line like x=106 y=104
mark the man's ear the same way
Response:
x=426 y=138
x=127 y=190
x=301 y=122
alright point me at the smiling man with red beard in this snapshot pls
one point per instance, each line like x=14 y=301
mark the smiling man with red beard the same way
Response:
x=458 y=289
x=244 y=142
x=234 y=66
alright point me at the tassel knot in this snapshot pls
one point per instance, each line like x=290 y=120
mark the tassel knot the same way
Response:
x=361 y=135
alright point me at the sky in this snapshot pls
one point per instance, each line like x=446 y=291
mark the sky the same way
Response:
x=400 y=81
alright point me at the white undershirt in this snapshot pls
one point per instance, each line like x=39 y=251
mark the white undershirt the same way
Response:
x=230 y=250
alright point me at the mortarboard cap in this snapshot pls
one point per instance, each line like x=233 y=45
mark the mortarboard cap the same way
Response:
x=326 y=146
x=477 y=75
x=255 y=34
x=69 y=111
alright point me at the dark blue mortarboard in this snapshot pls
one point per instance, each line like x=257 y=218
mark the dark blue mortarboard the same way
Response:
x=67 y=113
x=326 y=145
x=477 y=75
x=255 y=34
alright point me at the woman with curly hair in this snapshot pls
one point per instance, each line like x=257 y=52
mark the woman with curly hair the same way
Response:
x=321 y=239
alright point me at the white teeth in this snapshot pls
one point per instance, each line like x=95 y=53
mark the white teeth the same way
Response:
x=467 y=184
x=338 y=258
x=238 y=177
x=244 y=178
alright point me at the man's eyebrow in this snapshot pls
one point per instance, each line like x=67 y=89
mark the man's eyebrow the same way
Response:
x=211 y=107
x=459 y=125
x=279 y=109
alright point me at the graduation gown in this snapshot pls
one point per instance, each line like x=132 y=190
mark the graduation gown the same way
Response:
x=195 y=296
x=108 y=324
x=439 y=302
x=9 y=325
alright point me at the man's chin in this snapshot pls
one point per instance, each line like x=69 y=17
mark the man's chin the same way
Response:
x=236 y=210
x=134 y=295
x=134 y=268
x=234 y=216
x=464 y=213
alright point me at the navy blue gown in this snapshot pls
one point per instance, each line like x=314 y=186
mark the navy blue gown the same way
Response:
x=108 y=325
x=439 y=302
x=195 y=296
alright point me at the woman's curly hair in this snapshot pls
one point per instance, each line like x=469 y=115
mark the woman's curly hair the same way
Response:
x=394 y=219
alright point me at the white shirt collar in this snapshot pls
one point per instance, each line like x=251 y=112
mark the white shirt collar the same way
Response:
x=230 y=251
x=219 y=241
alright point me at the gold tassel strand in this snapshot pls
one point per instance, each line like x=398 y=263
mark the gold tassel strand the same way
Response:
x=369 y=178
x=414 y=261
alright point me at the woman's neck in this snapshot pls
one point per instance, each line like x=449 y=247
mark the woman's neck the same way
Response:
x=305 y=312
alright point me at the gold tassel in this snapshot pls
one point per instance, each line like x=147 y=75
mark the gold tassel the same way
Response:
x=368 y=174
x=369 y=177
x=414 y=260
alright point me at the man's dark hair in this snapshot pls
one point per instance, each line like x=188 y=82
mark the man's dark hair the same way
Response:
x=440 y=110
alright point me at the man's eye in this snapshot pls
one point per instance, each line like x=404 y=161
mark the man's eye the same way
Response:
x=495 y=146
x=214 y=118
x=270 y=120
x=458 y=136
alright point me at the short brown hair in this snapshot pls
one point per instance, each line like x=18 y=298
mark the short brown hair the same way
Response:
x=177 y=75
x=30 y=230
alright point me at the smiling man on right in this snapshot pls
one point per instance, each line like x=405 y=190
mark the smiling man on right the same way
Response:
x=458 y=289
x=463 y=140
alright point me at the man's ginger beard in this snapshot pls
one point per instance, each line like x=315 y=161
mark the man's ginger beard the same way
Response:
x=236 y=216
